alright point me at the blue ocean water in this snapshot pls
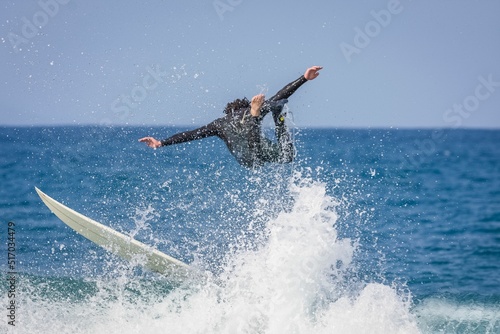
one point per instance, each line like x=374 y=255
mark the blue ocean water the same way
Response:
x=368 y=231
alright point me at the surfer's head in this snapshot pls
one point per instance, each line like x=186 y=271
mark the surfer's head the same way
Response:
x=237 y=104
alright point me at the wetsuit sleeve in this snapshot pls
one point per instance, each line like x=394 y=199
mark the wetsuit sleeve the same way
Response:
x=182 y=137
x=289 y=89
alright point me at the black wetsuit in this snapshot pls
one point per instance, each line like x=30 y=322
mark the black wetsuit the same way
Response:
x=242 y=133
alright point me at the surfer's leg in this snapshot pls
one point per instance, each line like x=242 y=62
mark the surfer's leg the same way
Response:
x=285 y=143
x=283 y=150
x=263 y=149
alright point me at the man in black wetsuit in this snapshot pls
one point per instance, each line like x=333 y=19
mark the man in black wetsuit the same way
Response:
x=240 y=129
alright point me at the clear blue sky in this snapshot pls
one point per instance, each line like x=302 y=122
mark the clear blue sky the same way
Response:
x=386 y=63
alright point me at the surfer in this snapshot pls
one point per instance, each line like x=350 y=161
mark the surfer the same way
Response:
x=240 y=128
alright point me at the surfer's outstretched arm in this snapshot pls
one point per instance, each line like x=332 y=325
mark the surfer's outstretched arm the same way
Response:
x=310 y=74
x=182 y=137
x=281 y=97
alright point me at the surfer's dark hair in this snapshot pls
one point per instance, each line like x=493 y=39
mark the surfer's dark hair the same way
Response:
x=237 y=104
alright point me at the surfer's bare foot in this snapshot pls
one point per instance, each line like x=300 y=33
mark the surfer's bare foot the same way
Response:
x=151 y=142
x=257 y=102
x=312 y=72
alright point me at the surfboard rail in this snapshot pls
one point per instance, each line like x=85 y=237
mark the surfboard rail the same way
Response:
x=118 y=243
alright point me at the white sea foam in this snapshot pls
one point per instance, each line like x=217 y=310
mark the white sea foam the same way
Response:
x=445 y=316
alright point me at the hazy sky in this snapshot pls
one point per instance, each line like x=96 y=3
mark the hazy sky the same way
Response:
x=386 y=63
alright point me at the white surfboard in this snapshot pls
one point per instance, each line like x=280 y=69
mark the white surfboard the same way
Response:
x=124 y=246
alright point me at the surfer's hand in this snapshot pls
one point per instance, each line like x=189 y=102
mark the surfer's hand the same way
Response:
x=151 y=142
x=312 y=72
x=257 y=102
